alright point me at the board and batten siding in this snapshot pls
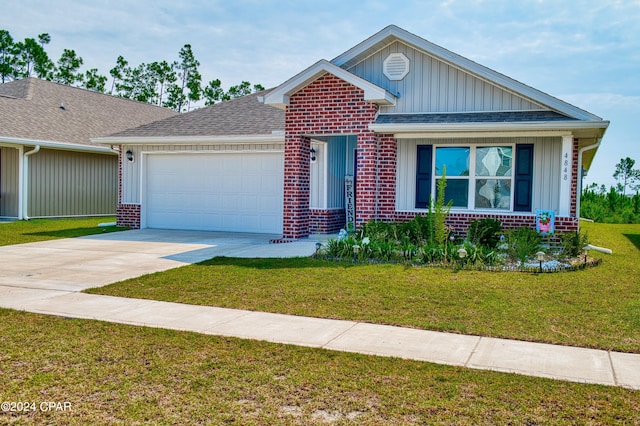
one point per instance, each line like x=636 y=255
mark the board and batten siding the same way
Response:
x=435 y=86
x=547 y=152
x=68 y=183
x=131 y=171
x=9 y=178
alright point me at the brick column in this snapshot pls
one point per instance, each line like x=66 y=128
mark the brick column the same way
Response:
x=296 y=186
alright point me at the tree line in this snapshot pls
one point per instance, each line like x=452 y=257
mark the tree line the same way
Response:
x=176 y=85
x=616 y=204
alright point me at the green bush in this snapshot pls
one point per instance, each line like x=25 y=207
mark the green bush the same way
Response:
x=522 y=243
x=572 y=243
x=485 y=232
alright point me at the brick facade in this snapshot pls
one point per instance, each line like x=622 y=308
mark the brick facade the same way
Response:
x=330 y=106
x=326 y=221
x=327 y=106
x=128 y=215
x=459 y=222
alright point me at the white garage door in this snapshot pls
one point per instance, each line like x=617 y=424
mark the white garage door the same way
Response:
x=238 y=192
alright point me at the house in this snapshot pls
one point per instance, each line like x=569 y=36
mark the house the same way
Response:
x=365 y=136
x=48 y=165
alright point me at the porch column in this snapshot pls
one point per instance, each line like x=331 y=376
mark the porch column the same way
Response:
x=296 y=187
x=566 y=175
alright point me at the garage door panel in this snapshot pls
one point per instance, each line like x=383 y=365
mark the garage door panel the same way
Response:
x=239 y=192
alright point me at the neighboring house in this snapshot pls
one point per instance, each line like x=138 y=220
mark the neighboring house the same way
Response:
x=48 y=165
x=394 y=111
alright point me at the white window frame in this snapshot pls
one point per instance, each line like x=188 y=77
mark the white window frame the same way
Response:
x=472 y=178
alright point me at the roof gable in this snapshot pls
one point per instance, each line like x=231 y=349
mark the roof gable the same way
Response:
x=279 y=97
x=531 y=97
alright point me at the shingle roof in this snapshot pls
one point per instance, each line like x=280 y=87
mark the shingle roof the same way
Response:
x=473 y=117
x=241 y=116
x=33 y=109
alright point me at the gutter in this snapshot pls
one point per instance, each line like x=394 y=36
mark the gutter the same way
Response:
x=25 y=183
x=580 y=152
x=66 y=146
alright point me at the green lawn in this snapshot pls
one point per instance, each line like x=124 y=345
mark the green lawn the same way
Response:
x=598 y=307
x=119 y=374
x=28 y=231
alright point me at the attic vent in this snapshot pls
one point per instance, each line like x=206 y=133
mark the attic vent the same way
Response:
x=396 y=66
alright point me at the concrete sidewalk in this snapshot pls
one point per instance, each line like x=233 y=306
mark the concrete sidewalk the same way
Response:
x=46 y=278
x=532 y=359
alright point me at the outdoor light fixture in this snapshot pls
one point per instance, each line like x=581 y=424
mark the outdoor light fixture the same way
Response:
x=129 y=155
x=318 y=247
x=585 y=250
x=452 y=238
x=356 y=250
x=540 y=257
x=462 y=253
x=313 y=154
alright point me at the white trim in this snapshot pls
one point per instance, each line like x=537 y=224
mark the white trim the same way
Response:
x=566 y=176
x=454 y=129
x=189 y=140
x=9 y=141
x=393 y=33
x=279 y=97
x=493 y=135
x=64 y=146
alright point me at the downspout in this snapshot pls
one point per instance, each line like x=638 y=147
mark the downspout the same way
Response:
x=579 y=194
x=25 y=182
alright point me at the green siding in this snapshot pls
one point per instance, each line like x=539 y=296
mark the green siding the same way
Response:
x=9 y=160
x=66 y=183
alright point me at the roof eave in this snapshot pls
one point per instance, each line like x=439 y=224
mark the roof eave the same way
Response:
x=276 y=137
x=279 y=97
x=64 y=146
x=405 y=131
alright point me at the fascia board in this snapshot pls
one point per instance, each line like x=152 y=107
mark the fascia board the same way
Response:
x=279 y=97
x=65 y=146
x=393 y=33
x=190 y=140
x=456 y=128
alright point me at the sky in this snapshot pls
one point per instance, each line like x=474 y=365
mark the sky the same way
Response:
x=586 y=52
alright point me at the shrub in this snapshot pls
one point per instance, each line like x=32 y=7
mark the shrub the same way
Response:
x=485 y=232
x=572 y=243
x=522 y=243
x=441 y=211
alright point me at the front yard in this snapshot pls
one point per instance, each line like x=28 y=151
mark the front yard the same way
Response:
x=120 y=374
x=597 y=307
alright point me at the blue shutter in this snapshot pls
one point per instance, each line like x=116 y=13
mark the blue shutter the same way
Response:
x=524 y=178
x=423 y=176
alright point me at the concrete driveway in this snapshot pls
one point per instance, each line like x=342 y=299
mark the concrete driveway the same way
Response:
x=75 y=264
